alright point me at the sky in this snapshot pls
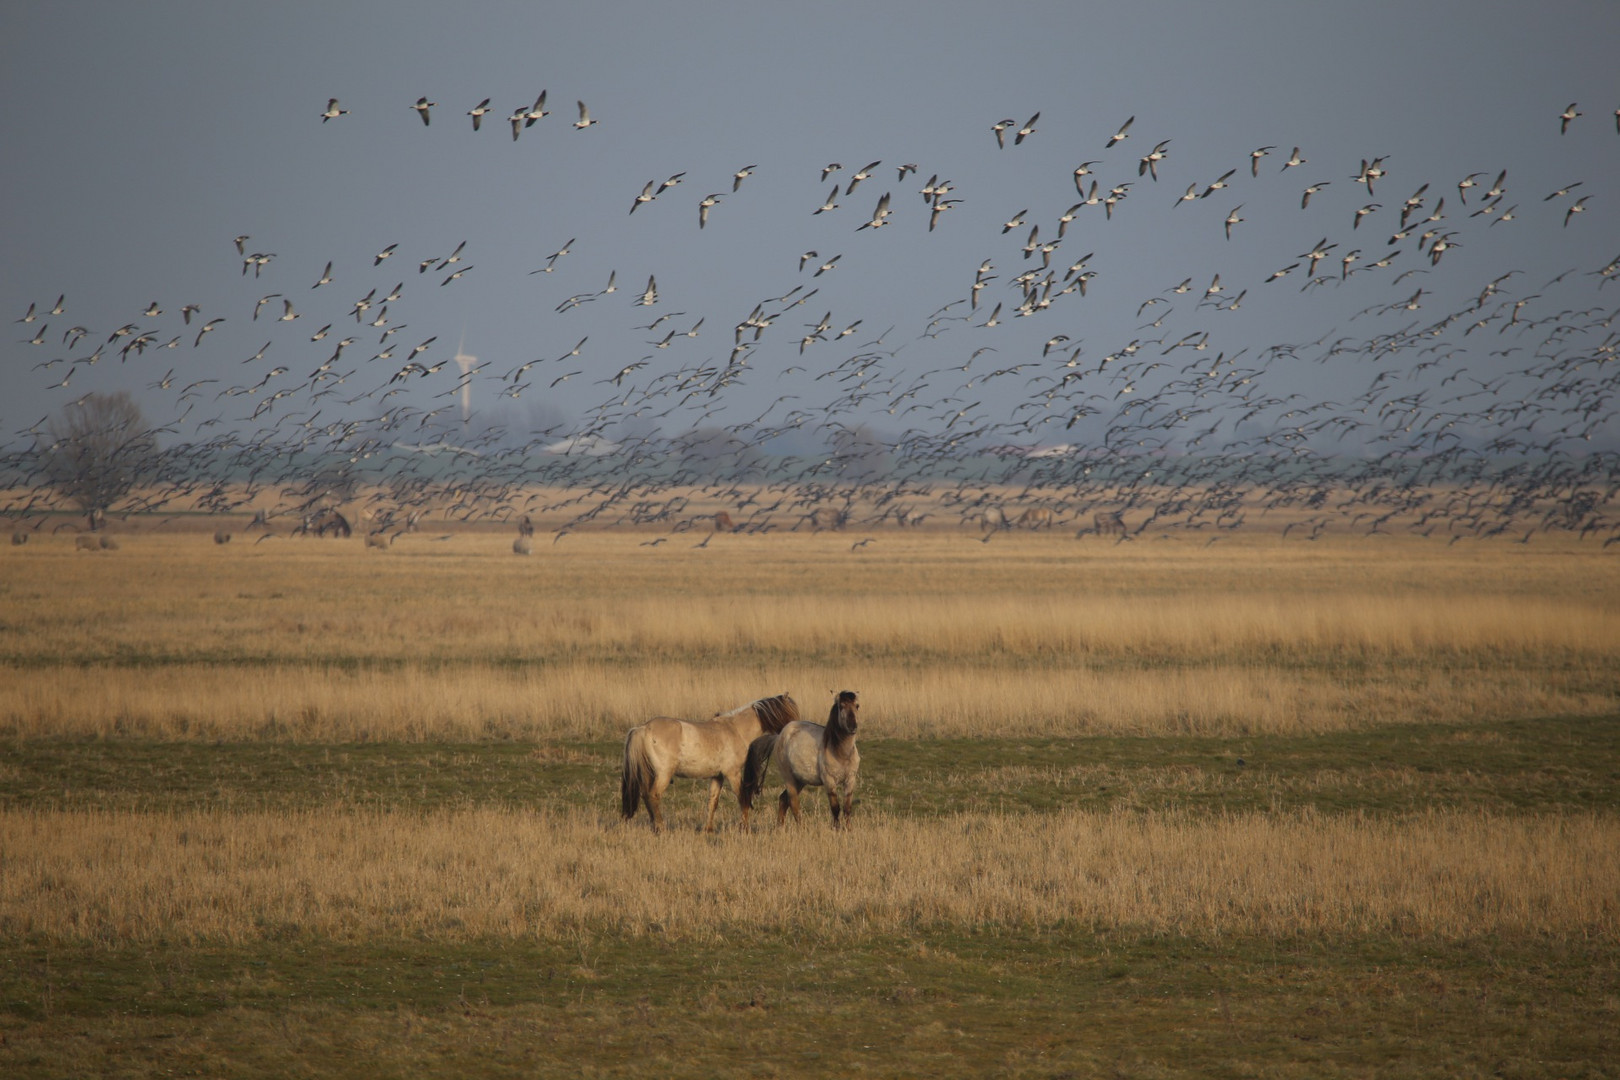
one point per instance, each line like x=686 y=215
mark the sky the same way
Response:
x=143 y=138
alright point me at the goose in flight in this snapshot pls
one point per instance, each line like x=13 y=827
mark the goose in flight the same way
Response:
x=584 y=120
x=477 y=113
x=703 y=208
x=537 y=111
x=1150 y=163
x=1120 y=135
x=422 y=106
x=1565 y=118
x=864 y=173
x=332 y=111
x=879 y=215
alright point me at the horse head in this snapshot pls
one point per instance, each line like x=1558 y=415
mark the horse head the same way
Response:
x=842 y=718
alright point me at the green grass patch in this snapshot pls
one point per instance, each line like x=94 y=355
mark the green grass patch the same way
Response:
x=1066 y=1003
x=1512 y=766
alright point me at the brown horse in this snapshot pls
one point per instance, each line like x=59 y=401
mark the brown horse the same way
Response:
x=827 y=518
x=811 y=755
x=1036 y=517
x=663 y=748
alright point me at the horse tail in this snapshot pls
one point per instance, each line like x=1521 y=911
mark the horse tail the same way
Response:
x=636 y=778
x=754 y=768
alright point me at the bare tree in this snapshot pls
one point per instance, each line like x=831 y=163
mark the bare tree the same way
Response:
x=96 y=449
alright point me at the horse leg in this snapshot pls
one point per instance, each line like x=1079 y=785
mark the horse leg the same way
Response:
x=781 y=808
x=654 y=798
x=714 y=802
x=736 y=785
x=832 y=804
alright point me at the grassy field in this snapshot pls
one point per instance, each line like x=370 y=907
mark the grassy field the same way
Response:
x=1261 y=808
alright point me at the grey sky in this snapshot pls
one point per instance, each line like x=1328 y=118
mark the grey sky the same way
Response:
x=141 y=138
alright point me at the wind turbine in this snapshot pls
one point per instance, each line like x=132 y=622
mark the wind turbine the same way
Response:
x=466 y=363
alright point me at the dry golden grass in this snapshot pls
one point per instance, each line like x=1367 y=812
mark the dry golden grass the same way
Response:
x=234 y=878
x=305 y=703
x=175 y=637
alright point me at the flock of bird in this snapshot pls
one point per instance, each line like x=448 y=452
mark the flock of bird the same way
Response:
x=1477 y=403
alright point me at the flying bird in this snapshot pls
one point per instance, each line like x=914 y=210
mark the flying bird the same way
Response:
x=332 y=111
x=1121 y=134
x=537 y=111
x=422 y=106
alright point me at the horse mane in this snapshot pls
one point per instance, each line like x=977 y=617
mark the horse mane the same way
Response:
x=837 y=729
x=776 y=713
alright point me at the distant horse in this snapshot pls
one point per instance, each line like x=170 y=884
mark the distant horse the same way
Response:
x=525 y=525
x=993 y=518
x=811 y=755
x=326 y=521
x=1108 y=523
x=1036 y=517
x=221 y=536
x=827 y=518
x=723 y=522
x=716 y=750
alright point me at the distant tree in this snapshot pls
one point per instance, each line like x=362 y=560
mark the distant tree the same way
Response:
x=97 y=449
x=333 y=483
x=860 y=454
x=715 y=451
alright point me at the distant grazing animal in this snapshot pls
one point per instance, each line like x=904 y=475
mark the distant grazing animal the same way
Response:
x=1036 y=517
x=18 y=538
x=723 y=522
x=523 y=545
x=525 y=526
x=94 y=543
x=811 y=755
x=379 y=539
x=716 y=750
x=827 y=518
x=326 y=521
x=909 y=519
x=1108 y=523
x=221 y=536
x=994 y=518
